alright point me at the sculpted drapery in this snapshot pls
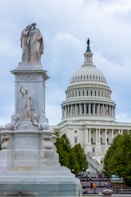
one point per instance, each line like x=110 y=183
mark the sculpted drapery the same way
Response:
x=32 y=44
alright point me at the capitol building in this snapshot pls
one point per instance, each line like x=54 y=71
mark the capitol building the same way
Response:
x=88 y=112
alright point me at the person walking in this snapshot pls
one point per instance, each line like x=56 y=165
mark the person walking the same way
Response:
x=94 y=186
x=91 y=185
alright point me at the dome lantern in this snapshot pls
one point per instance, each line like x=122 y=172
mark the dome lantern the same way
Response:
x=88 y=55
x=88 y=46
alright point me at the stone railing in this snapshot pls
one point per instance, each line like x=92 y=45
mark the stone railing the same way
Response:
x=124 y=191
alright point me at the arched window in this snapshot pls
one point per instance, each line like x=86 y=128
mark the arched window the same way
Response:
x=107 y=140
x=92 y=140
x=76 y=93
x=98 y=93
x=76 y=140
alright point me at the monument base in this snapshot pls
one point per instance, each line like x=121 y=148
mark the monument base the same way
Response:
x=30 y=165
x=39 y=190
x=50 y=182
x=29 y=162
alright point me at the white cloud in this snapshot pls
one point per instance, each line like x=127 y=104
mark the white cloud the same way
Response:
x=64 y=49
x=66 y=25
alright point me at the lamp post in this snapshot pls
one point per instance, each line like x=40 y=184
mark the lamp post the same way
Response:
x=83 y=173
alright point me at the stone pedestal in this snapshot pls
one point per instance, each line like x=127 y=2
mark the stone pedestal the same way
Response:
x=52 y=181
x=29 y=163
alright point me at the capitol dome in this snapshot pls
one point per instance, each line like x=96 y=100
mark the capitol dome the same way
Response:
x=88 y=74
x=88 y=95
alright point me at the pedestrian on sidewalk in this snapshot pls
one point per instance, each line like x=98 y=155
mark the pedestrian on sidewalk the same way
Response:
x=84 y=190
x=94 y=186
x=91 y=185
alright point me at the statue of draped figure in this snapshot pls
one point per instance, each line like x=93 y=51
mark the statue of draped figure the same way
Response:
x=32 y=44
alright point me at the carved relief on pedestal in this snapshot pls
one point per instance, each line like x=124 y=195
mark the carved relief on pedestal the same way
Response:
x=48 y=151
x=5 y=141
x=27 y=77
x=47 y=141
x=16 y=120
x=35 y=120
x=27 y=103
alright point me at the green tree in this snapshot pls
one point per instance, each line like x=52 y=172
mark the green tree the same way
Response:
x=73 y=162
x=63 y=148
x=117 y=159
x=71 y=157
x=81 y=157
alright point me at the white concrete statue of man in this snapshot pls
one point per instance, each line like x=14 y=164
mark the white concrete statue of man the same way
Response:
x=27 y=103
x=25 y=44
x=36 y=44
x=32 y=44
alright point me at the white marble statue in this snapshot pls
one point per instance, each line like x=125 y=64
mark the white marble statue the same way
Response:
x=27 y=103
x=25 y=44
x=32 y=44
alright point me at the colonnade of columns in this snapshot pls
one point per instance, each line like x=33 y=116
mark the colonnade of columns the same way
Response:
x=89 y=92
x=84 y=109
x=100 y=136
x=98 y=140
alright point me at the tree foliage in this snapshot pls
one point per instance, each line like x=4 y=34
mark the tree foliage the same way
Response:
x=71 y=157
x=117 y=159
x=63 y=149
x=81 y=157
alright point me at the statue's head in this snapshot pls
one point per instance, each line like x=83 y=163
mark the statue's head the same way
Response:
x=33 y=25
x=28 y=27
x=26 y=91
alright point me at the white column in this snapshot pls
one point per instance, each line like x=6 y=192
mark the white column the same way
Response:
x=112 y=135
x=103 y=110
x=75 y=110
x=66 y=111
x=105 y=136
x=93 y=109
x=110 y=111
x=80 y=109
x=97 y=136
x=62 y=112
x=89 y=136
x=86 y=137
x=84 y=109
x=98 y=110
x=89 y=109
x=70 y=110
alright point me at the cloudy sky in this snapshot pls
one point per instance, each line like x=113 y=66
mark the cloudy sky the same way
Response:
x=66 y=25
